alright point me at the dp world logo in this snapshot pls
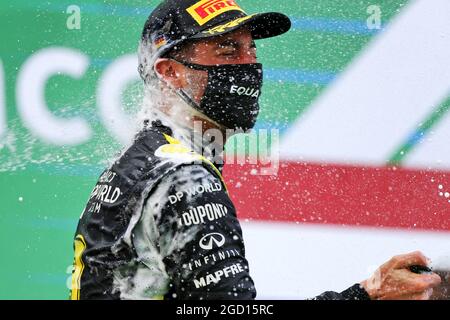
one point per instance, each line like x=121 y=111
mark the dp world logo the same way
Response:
x=212 y=240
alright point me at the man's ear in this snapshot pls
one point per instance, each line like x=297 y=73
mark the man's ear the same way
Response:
x=171 y=72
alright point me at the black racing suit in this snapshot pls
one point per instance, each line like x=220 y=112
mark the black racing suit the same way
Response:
x=160 y=225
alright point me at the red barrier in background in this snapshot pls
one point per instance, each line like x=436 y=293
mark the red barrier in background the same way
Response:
x=343 y=195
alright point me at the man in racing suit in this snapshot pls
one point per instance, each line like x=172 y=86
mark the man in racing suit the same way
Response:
x=159 y=223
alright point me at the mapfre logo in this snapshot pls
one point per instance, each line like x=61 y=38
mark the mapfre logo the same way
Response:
x=212 y=240
x=205 y=10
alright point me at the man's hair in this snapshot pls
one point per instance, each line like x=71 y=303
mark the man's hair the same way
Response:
x=147 y=58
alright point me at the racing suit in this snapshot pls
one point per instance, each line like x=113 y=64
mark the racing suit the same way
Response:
x=160 y=224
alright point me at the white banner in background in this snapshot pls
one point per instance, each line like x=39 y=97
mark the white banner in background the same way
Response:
x=375 y=105
x=289 y=261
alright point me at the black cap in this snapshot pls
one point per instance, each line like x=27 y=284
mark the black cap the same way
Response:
x=175 y=21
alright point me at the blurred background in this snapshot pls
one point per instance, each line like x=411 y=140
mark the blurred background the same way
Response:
x=359 y=91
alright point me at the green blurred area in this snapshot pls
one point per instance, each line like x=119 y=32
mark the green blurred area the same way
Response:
x=43 y=188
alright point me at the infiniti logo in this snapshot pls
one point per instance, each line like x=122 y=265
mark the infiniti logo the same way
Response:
x=212 y=240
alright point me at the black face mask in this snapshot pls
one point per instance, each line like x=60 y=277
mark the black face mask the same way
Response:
x=232 y=94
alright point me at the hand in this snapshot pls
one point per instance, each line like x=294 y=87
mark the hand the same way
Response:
x=394 y=281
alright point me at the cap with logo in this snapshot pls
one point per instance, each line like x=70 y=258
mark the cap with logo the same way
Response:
x=176 y=21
